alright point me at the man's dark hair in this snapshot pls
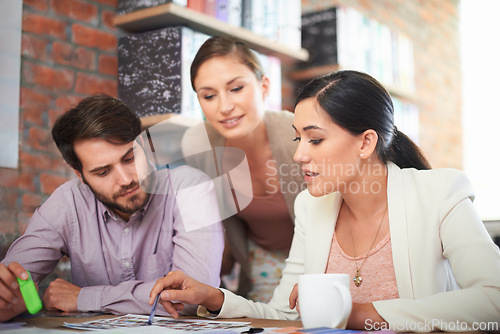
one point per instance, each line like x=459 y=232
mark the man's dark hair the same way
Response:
x=96 y=116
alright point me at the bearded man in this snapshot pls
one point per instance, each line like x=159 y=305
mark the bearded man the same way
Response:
x=119 y=222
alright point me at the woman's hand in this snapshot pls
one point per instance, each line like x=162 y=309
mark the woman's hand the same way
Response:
x=177 y=287
x=361 y=313
x=293 y=300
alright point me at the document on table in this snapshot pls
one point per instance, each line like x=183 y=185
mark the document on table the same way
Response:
x=160 y=325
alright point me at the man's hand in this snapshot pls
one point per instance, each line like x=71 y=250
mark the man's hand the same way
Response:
x=61 y=295
x=11 y=300
x=177 y=288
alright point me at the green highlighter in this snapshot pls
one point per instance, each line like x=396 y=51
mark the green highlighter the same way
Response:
x=30 y=295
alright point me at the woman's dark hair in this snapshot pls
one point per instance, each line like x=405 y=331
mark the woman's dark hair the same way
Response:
x=96 y=116
x=357 y=102
x=220 y=46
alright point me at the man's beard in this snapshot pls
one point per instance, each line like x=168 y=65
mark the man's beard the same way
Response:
x=131 y=205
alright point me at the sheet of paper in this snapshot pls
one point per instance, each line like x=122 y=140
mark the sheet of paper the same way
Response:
x=33 y=330
x=11 y=325
x=160 y=325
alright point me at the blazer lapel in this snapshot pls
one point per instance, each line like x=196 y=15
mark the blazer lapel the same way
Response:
x=398 y=221
x=320 y=232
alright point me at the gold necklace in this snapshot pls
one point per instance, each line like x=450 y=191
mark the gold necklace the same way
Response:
x=358 y=279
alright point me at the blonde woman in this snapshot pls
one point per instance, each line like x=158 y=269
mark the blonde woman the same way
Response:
x=231 y=88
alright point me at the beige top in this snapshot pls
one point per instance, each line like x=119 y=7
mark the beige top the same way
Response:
x=379 y=279
x=280 y=134
x=268 y=222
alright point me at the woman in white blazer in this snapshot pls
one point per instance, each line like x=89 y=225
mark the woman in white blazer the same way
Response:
x=418 y=254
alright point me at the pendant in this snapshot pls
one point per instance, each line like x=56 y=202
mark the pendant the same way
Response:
x=357 y=279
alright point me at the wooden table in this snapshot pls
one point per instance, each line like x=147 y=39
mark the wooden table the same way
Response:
x=56 y=323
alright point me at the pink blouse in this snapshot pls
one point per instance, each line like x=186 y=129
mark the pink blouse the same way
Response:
x=379 y=279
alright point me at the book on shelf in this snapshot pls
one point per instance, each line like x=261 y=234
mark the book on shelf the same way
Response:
x=228 y=11
x=289 y=23
x=196 y=5
x=222 y=10
x=319 y=37
x=252 y=15
x=276 y=20
x=153 y=71
x=406 y=118
x=210 y=7
x=272 y=69
x=234 y=13
x=128 y=6
x=345 y=37
x=406 y=77
x=270 y=20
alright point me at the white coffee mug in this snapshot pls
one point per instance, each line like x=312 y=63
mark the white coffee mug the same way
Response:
x=324 y=300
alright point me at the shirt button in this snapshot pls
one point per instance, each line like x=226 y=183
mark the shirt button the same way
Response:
x=126 y=230
x=127 y=264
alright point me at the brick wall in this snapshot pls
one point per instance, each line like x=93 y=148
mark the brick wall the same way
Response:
x=433 y=26
x=68 y=52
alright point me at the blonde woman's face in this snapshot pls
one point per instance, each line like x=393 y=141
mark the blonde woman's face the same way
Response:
x=231 y=96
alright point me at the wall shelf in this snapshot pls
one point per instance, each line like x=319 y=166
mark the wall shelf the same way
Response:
x=310 y=73
x=172 y=14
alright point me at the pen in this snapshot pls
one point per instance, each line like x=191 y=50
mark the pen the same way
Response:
x=253 y=330
x=153 y=310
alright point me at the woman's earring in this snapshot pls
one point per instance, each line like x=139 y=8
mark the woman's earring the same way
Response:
x=362 y=155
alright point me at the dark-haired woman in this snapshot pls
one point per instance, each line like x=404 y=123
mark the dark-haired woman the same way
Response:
x=409 y=236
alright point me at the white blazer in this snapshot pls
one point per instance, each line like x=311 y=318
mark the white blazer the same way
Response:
x=447 y=267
